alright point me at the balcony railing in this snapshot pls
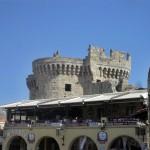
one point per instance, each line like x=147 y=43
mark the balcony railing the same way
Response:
x=73 y=123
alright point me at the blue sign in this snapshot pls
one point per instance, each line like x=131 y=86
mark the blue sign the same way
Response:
x=102 y=136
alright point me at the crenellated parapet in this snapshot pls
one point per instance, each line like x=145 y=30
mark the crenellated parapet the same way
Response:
x=57 y=67
x=117 y=59
x=60 y=65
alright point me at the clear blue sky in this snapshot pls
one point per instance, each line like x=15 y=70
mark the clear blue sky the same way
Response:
x=31 y=29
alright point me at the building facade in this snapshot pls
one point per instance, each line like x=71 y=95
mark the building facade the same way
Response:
x=78 y=104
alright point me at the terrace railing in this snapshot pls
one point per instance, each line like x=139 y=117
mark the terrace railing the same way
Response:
x=69 y=123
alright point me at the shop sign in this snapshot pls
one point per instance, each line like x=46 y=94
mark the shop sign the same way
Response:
x=102 y=136
x=31 y=137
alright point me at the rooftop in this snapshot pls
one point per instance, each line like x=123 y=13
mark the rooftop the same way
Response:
x=106 y=97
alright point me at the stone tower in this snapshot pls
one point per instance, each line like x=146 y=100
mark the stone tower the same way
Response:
x=57 y=76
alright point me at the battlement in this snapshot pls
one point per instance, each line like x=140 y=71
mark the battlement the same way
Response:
x=118 y=55
x=60 y=65
x=116 y=59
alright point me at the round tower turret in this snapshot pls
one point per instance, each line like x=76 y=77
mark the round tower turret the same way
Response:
x=56 y=77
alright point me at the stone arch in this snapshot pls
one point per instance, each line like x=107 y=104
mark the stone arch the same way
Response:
x=76 y=70
x=109 y=73
x=124 y=73
x=46 y=143
x=101 y=71
x=58 y=68
x=105 y=72
x=124 y=142
x=16 y=143
x=45 y=68
x=72 y=69
x=117 y=74
x=83 y=142
x=68 y=69
x=113 y=73
x=121 y=73
x=48 y=67
x=53 y=67
x=63 y=68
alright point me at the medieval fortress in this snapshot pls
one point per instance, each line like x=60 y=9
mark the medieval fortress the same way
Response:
x=57 y=76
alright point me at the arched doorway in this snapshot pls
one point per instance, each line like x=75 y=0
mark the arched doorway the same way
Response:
x=47 y=143
x=17 y=143
x=83 y=143
x=125 y=143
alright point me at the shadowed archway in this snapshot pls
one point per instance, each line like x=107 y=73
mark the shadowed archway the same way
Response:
x=83 y=143
x=47 y=143
x=17 y=143
x=125 y=143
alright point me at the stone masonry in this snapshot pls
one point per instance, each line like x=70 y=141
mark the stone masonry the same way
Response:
x=57 y=76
